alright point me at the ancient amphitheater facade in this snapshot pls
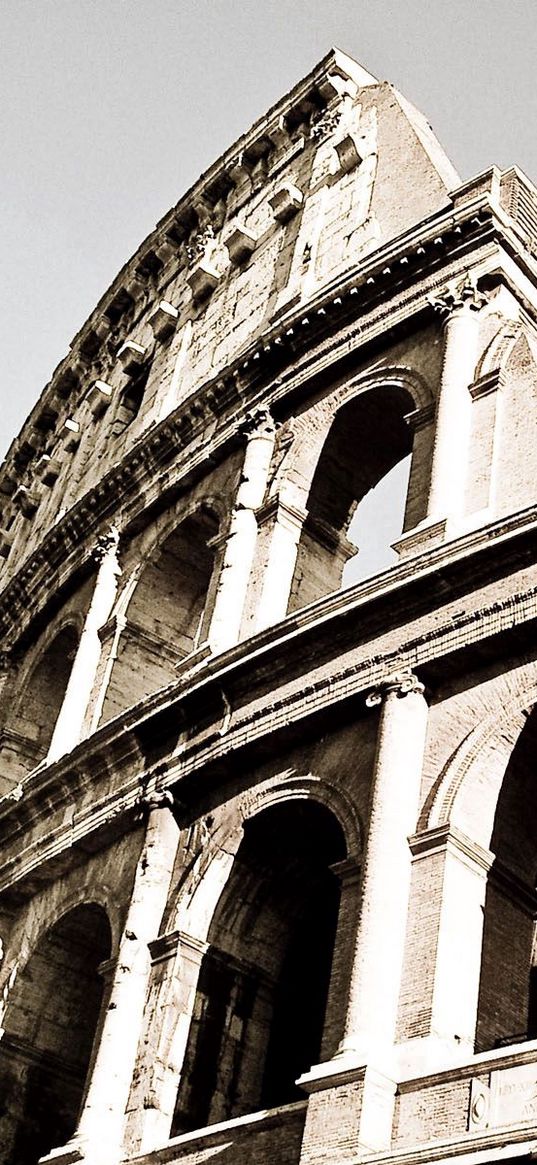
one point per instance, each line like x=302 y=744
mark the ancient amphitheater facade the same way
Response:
x=269 y=820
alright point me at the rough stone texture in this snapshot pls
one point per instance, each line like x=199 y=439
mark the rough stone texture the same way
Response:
x=186 y=885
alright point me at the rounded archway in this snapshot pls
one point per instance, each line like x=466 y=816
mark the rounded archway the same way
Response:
x=263 y=987
x=30 y=723
x=50 y=1026
x=166 y=618
x=368 y=439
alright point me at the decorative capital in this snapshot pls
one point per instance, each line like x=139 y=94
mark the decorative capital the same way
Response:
x=459 y=295
x=106 y=544
x=158 y=800
x=258 y=423
x=201 y=244
x=402 y=683
x=324 y=123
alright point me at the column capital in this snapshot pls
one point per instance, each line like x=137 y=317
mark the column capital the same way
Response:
x=258 y=422
x=106 y=544
x=160 y=799
x=401 y=683
x=459 y=295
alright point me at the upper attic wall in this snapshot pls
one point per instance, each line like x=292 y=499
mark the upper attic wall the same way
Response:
x=336 y=170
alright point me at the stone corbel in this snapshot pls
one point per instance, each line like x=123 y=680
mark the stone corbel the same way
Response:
x=8 y=484
x=48 y=469
x=163 y=320
x=27 y=501
x=285 y=202
x=165 y=249
x=202 y=280
x=6 y=542
x=99 y=397
x=240 y=244
x=71 y=435
x=348 y=154
x=131 y=356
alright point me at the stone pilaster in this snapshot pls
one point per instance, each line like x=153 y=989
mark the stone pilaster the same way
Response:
x=242 y=537
x=352 y=1096
x=99 y=1136
x=459 y=308
x=376 y=971
x=69 y=725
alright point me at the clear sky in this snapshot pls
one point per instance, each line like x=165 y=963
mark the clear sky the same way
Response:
x=110 y=109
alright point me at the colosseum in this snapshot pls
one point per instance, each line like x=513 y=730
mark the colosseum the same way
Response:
x=269 y=841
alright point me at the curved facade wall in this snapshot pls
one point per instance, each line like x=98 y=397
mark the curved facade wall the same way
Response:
x=269 y=847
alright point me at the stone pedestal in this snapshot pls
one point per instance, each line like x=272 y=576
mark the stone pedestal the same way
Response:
x=350 y=1113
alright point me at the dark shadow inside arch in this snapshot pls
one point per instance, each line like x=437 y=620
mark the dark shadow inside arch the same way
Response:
x=263 y=986
x=50 y=1028
x=29 y=727
x=507 y=1005
x=167 y=617
x=368 y=439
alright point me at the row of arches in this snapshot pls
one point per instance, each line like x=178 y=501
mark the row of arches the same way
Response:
x=167 y=592
x=269 y=997
x=258 y=1013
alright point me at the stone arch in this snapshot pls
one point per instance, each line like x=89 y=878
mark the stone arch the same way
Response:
x=486 y=793
x=163 y=609
x=51 y=1022
x=35 y=705
x=213 y=853
x=257 y=1017
x=349 y=445
x=207 y=895
x=488 y=745
x=497 y=352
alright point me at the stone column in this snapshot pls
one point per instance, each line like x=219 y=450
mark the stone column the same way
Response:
x=68 y=730
x=242 y=537
x=99 y=1136
x=459 y=308
x=376 y=971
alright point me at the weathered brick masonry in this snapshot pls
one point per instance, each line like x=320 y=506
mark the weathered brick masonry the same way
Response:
x=268 y=816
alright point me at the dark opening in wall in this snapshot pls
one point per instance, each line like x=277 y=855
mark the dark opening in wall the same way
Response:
x=50 y=1024
x=507 y=1002
x=167 y=614
x=32 y=716
x=368 y=439
x=262 y=992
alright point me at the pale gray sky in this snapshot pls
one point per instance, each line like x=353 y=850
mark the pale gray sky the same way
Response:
x=110 y=109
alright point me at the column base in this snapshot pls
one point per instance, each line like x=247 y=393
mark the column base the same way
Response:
x=350 y=1111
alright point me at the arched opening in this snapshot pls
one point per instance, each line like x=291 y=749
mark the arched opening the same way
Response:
x=30 y=723
x=356 y=479
x=50 y=1026
x=167 y=614
x=263 y=986
x=507 y=1006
